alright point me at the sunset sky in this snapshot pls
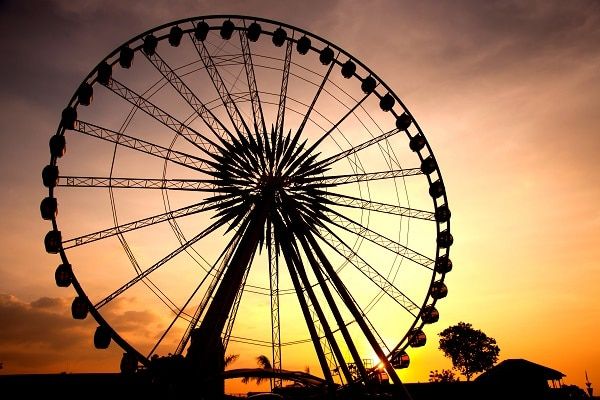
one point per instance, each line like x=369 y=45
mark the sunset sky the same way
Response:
x=507 y=93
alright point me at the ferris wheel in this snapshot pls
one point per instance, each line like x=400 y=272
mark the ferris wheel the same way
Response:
x=240 y=183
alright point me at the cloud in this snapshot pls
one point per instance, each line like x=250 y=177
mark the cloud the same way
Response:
x=488 y=36
x=48 y=303
x=41 y=335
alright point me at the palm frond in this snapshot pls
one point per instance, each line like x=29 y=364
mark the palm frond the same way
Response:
x=263 y=362
x=230 y=359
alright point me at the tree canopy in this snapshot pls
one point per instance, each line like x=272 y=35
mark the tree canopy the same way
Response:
x=443 y=376
x=470 y=350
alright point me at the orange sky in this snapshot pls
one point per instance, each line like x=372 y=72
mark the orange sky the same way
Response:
x=507 y=94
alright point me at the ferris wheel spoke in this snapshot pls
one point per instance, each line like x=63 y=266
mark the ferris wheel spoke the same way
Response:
x=252 y=149
x=227 y=60
x=353 y=308
x=316 y=96
x=355 y=202
x=241 y=151
x=137 y=100
x=257 y=112
x=143 y=146
x=336 y=180
x=284 y=87
x=215 y=125
x=304 y=165
x=364 y=313
x=157 y=265
x=211 y=328
x=241 y=162
x=291 y=153
x=387 y=287
x=147 y=281
x=274 y=293
x=342 y=326
x=360 y=147
x=334 y=356
x=139 y=183
x=337 y=124
x=293 y=263
x=134 y=225
x=213 y=72
x=222 y=261
x=305 y=160
x=290 y=159
x=348 y=225
x=371 y=327
x=234 y=309
x=192 y=320
x=178 y=315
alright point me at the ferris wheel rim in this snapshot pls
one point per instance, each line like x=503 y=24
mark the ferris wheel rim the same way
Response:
x=90 y=79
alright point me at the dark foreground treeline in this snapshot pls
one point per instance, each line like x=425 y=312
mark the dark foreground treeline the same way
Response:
x=117 y=386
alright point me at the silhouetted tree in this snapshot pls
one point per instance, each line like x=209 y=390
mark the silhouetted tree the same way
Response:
x=573 y=392
x=470 y=350
x=445 y=375
x=230 y=359
x=263 y=362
